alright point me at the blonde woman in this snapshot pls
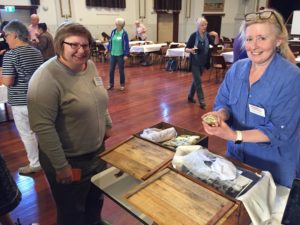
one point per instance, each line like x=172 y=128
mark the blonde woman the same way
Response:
x=257 y=106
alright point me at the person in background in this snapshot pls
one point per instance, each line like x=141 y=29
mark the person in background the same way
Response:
x=68 y=111
x=18 y=66
x=105 y=37
x=33 y=27
x=10 y=195
x=198 y=47
x=118 y=48
x=257 y=105
x=140 y=31
x=3 y=45
x=45 y=42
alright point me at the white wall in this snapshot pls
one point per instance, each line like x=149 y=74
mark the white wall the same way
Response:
x=102 y=19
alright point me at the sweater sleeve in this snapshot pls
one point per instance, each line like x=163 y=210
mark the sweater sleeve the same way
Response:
x=43 y=105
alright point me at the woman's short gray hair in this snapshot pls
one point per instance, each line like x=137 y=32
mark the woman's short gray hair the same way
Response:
x=120 y=21
x=201 y=20
x=17 y=27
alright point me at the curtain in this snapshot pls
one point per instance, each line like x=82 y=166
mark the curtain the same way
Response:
x=35 y=2
x=162 y=5
x=107 y=3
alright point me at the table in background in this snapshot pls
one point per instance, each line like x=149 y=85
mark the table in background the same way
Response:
x=146 y=48
x=178 y=52
x=228 y=56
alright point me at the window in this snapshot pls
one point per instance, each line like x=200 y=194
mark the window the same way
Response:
x=107 y=3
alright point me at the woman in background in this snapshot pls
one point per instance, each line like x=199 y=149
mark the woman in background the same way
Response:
x=119 y=50
x=198 y=47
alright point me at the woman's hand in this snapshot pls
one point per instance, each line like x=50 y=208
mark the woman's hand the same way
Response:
x=125 y=58
x=64 y=175
x=107 y=133
x=222 y=130
x=213 y=33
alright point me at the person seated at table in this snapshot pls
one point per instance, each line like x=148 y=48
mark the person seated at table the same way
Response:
x=257 y=105
x=104 y=37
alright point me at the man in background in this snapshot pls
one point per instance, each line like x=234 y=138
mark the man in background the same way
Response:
x=140 y=33
x=33 y=27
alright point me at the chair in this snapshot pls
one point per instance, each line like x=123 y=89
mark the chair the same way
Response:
x=219 y=65
x=162 y=55
x=94 y=52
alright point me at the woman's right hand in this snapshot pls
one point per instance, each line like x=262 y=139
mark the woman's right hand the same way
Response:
x=215 y=114
x=64 y=175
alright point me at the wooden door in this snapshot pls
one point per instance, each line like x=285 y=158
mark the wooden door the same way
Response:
x=167 y=27
x=214 y=22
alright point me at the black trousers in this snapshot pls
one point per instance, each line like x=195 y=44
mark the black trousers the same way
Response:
x=78 y=203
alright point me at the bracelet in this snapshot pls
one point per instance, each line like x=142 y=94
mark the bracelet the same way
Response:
x=239 y=137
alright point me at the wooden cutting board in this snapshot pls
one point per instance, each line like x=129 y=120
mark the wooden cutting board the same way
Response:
x=138 y=158
x=170 y=198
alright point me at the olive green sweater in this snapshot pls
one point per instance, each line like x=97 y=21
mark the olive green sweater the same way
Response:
x=67 y=111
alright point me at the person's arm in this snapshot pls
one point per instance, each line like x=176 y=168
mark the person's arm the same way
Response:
x=190 y=44
x=216 y=37
x=8 y=70
x=126 y=44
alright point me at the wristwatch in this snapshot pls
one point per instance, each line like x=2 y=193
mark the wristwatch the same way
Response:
x=239 y=137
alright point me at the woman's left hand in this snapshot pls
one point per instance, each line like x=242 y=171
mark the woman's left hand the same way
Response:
x=223 y=131
x=213 y=33
x=107 y=133
x=125 y=58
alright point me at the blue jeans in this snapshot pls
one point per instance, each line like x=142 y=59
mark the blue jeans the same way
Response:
x=197 y=84
x=114 y=60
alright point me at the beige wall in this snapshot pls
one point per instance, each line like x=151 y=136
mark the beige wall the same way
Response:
x=101 y=19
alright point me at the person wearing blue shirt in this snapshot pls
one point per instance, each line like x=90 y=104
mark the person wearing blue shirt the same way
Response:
x=118 y=48
x=257 y=105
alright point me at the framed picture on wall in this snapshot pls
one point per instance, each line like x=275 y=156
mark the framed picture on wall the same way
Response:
x=213 y=6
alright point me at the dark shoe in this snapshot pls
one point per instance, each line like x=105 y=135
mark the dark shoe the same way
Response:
x=109 y=87
x=191 y=100
x=203 y=105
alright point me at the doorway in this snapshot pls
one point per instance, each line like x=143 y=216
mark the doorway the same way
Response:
x=167 y=27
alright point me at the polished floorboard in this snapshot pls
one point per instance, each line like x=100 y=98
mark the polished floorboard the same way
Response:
x=152 y=95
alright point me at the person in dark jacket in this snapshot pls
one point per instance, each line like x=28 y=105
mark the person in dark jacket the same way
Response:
x=119 y=51
x=3 y=45
x=198 y=47
x=45 y=44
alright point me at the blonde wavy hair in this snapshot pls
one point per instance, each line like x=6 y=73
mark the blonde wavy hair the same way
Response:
x=276 y=20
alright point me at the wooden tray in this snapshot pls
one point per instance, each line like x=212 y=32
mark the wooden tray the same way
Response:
x=180 y=131
x=138 y=158
x=170 y=198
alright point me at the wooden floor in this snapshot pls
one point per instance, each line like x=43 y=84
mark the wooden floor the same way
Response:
x=152 y=95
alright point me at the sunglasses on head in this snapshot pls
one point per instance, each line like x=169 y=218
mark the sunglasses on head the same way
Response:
x=263 y=15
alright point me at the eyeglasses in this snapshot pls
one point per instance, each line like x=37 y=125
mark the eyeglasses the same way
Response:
x=263 y=15
x=77 y=46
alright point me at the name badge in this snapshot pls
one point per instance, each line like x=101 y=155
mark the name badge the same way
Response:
x=98 y=81
x=119 y=38
x=257 y=110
